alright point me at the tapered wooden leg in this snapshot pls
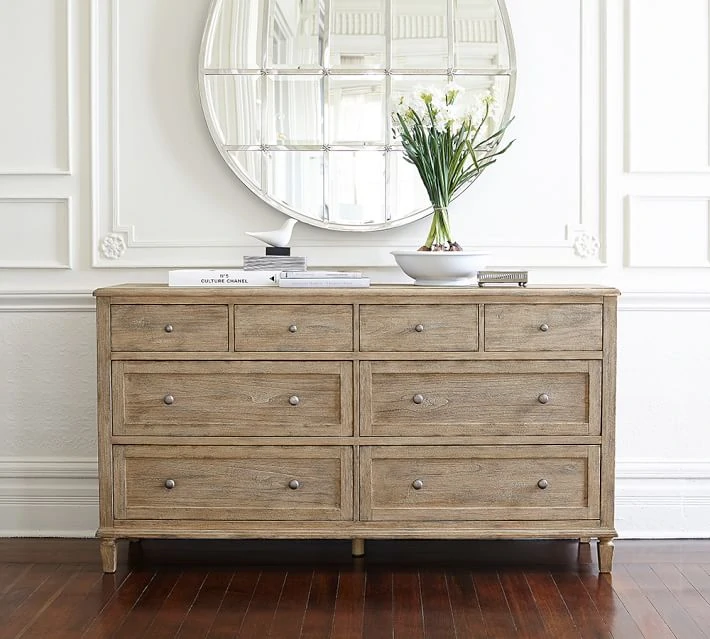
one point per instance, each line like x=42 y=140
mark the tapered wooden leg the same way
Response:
x=358 y=547
x=605 y=553
x=585 y=540
x=108 y=555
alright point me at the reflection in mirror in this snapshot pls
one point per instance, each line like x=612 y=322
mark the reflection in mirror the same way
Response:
x=357 y=187
x=297 y=95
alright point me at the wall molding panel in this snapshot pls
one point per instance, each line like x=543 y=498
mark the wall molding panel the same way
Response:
x=36 y=232
x=667 y=231
x=655 y=140
x=62 y=80
x=579 y=242
x=42 y=497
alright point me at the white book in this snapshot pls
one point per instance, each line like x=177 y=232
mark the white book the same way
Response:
x=320 y=274
x=222 y=277
x=324 y=282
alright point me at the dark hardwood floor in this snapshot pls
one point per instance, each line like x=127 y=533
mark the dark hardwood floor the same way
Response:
x=51 y=589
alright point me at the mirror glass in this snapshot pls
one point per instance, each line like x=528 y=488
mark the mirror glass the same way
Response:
x=297 y=95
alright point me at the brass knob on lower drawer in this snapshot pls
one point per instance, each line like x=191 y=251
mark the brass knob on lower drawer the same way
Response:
x=170 y=484
x=168 y=328
x=543 y=398
x=293 y=328
x=417 y=484
x=419 y=328
x=294 y=400
x=294 y=484
x=542 y=484
x=169 y=399
x=418 y=399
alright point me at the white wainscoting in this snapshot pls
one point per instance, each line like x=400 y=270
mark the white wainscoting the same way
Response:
x=50 y=497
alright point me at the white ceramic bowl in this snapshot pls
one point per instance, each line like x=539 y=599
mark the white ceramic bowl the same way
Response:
x=441 y=268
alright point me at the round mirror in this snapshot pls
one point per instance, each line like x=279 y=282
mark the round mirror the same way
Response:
x=297 y=95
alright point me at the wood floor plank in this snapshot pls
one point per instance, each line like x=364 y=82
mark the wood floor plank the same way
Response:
x=465 y=609
x=494 y=606
x=585 y=614
x=686 y=594
x=203 y=610
x=349 y=606
x=668 y=606
x=407 y=611
x=378 y=613
x=22 y=617
x=436 y=605
x=171 y=614
x=9 y=574
x=640 y=608
x=697 y=576
x=234 y=605
x=262 y=607
x=146 y=608
x=522 y=605
x=25 y=584
x=555 y=615
x=64 y=616
x=119 y=604
x=320 y=608
x=291 y=609
x=610 y=607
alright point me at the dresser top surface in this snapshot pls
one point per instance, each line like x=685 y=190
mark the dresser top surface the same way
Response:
x=376 y=290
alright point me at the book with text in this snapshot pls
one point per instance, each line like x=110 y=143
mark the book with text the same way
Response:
x=320 y=274
x=324 y=282
x=222 y=277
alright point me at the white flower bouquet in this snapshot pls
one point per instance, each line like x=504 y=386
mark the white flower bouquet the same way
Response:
x=450 y=145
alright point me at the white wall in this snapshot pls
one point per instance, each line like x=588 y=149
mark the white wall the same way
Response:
x=108 y=174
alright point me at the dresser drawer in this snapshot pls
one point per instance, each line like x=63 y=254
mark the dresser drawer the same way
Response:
x=437 y=483
x=419 y=327
x=293 y=327
x=543 y=327
x=232 y=398
x=480 y=398
x=231 y=483
x=169 y=327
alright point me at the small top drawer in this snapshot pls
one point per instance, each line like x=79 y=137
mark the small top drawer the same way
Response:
x=169 y=327
x=293 y=327
x=543 y=327
x=419 y=327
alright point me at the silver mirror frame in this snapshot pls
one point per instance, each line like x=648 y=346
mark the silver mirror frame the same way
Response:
x=211 y=119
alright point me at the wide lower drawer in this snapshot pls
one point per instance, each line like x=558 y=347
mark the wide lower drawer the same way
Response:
x=480 y=398
x=437 y=483
x=543 y=327
x=232 y=398
x=231 y=483
x=419 y=327
x=293 y=327
x=169 y=327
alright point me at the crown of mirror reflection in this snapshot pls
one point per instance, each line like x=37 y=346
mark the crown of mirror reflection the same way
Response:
x=297 y=95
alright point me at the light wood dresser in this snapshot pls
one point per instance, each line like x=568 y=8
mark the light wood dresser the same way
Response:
x=387 y=412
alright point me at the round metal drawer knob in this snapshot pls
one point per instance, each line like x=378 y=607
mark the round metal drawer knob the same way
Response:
x=544 y=398
x=170 y=484
x=293 y=328
x=294 y=400
x=168 y=328
x=542 y=484
x=544 y=328
x=419 y=328
x=417 y=484
x=418 y=399
x=169 y=399
x=294 y=483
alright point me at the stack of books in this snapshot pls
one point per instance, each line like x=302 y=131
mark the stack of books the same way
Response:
x=274 y=263
x=322 y=279
x=222 y=277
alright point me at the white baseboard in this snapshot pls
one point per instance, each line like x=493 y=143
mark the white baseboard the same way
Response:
x=44 y=497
